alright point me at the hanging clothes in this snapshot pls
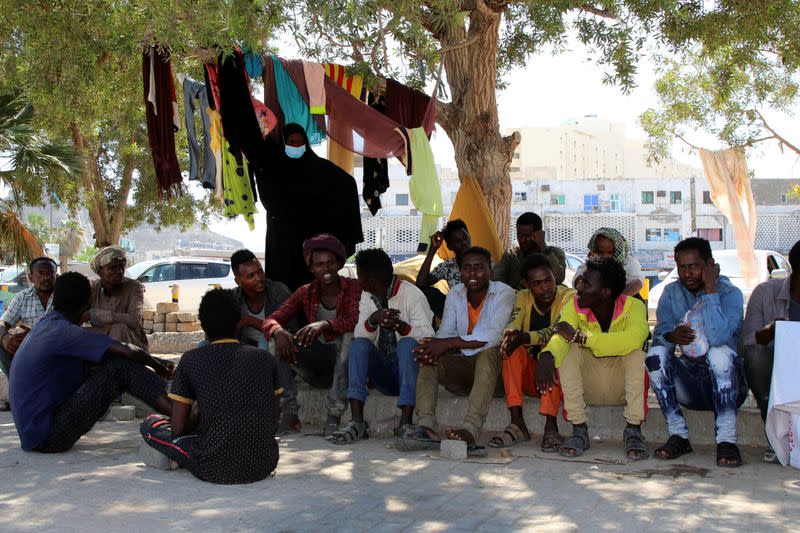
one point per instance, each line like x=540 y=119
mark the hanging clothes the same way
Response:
x=471 y=207
x=194 y=90
x=424 y=188
x=161 y=110
x=237 y=189
x=295 y=108
x=405 y=105
x=303 y=197
x=352 y=83
x=253 y=62
x=239 y=121
x=216 y=138
x=315 y=83
x=265 y=116
x=376 y=171
x=271 y=98
x=211 y=71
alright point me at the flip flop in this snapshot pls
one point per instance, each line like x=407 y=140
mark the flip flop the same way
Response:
x=674 y=448
x=509 y=437
x=416 y=439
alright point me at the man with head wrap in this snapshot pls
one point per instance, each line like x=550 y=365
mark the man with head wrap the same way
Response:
x=608 y=242
x=117 y=302
x=317 y=353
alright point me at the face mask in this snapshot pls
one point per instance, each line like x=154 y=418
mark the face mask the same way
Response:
x=295 y=152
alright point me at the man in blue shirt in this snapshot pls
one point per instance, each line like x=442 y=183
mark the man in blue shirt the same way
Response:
x=54 y=399
x=713 y=380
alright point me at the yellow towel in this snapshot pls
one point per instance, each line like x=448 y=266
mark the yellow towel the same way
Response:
x=470 y=206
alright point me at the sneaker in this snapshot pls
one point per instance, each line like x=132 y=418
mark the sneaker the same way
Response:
x=769 y=456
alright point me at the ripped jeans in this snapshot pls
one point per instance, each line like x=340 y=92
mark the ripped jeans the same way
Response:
x=715 y=382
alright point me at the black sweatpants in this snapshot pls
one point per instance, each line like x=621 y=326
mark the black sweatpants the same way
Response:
x=115 y=375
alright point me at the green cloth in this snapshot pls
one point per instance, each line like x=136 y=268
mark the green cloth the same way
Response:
x=426 y=194
x=508 y=268
x=237 y=194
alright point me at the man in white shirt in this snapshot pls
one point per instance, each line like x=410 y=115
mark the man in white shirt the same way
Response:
x=464 y=355
x=393 y=315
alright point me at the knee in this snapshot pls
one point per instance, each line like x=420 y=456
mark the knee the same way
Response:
x=720 y=360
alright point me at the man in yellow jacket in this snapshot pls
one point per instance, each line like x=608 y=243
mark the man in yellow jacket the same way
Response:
x=597 y=349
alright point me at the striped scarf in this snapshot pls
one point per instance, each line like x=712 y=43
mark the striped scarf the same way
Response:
x=621 y=248
x=387 y=339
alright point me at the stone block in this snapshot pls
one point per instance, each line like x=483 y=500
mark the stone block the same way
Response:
x=159 y=318
x=172 y=343
x=154 y=458
x=188 y=326
x=187 y=317
x=171 y=327
x=171 y=318
x=167 y=307
x=147 y=324
x=147 y=314
x=455 y=450
x=158 y=327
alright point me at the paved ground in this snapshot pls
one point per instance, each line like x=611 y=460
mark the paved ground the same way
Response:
x=102 y=486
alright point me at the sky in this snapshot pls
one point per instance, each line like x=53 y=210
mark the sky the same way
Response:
x=553 y=89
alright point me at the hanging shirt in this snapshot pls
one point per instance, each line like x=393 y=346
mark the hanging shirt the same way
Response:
x=295 y=109
x=315 y=82
x=215 y=143
x=237 y=193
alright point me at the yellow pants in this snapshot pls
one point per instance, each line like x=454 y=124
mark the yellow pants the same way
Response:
x=616 y=380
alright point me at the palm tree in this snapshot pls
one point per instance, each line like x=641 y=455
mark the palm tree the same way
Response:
x=26 y=152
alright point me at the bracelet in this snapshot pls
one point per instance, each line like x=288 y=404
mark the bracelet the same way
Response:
x=575 y=336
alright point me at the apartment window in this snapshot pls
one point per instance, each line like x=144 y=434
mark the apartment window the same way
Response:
x=675 y=197
x=652 y=234
x=590 y=202
x=710 y=234
x=400 y=199
x=784 y=199
x=520 y=196
x=514 y=169
x=562 y=199
x=661 y=194
x=672 y=234
x=614 y=203
x=707 y=197
x=601 y=187
x=647 y=197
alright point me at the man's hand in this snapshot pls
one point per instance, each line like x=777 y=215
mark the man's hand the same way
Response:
x=285 y=345
x=710 y=277
x=766 y=334
x=512 y=339
x=436 y=240
x=430 y=349
x=545 y=375
x=681 y=335
x=387 y=318
x=538 y=238
x=163 y=367
x=11 y=341
x=308 y=334
x=564 y=329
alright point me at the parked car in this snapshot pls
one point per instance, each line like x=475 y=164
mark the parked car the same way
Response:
x=15 y=278
x=194 y=276
x=771 y=265
x=573 y=264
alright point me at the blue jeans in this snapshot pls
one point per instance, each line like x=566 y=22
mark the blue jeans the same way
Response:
x=715 y=382
x=392 y=378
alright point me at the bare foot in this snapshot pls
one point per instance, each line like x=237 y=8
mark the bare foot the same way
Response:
x=460 y=434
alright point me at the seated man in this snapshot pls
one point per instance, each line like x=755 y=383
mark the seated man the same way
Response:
x=456 y=236
x=530 y=237
x=25 y=310
x=117 y=302
x=393 y=316
x=232 y=438
x=776 y=299
x=53 y=400
x=608 y=242
x=318 y=352
x=464 y=354
x=258 y=297
x=710 y=375
x=528 y=331
x=599 y=357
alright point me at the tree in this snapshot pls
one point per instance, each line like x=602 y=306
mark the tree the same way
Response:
x=80 y=65
x=478 y=41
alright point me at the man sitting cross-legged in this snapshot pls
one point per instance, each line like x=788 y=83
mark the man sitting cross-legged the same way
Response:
x=231 y=437
x=464 y=354
x=53 y=399
x=710 y=375
x=598 y=352
x=537 y=307
x=318 y=351
x=393 y=316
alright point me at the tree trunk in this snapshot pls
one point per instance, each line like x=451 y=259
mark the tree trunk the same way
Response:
x=470 y=119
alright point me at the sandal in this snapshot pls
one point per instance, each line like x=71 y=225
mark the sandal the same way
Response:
x=473 y=450
x=728 y=450
x=350 y=433
x=634 y=442
x=417 y=439
x=576 y=444
x=329 y=429
x=674 y=448
x=551 y=442
x=509 y=437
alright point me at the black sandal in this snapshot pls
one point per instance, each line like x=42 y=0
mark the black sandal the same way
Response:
x=728 y=450
x=634 y=442
x=674 y=448
x=350 y=433
x=577 y=443
x=416 y=440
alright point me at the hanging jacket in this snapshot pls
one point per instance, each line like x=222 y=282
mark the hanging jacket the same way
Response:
x=193 y=90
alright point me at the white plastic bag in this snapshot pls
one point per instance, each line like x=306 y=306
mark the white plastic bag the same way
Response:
x=694 y=319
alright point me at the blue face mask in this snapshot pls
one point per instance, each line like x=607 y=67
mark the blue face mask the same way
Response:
x=295 y=152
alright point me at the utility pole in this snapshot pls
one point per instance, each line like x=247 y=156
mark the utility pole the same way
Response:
x=693 y=206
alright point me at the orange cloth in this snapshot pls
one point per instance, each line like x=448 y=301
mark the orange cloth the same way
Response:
x=470 y=206
x=518 y=379
x=474 y=314
x=340 y=156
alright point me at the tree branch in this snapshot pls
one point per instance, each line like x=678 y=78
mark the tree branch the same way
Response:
x=775 y=134
x=678 y=135
x=594 y=10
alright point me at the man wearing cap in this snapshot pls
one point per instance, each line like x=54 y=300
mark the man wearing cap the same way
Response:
x=318 y=351
x=117 y=302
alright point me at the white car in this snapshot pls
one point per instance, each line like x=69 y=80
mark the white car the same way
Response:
x=193 y=275
x=573 y=264
x=771 y=265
